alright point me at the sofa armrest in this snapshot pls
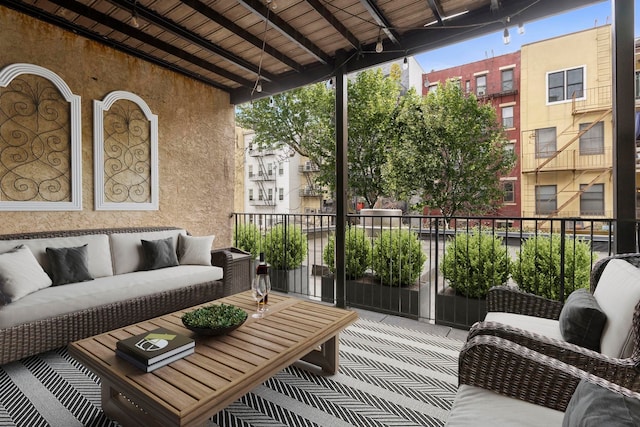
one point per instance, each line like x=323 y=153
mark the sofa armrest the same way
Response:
x=516 y=371
x=236 y=267
x=510 y=300
x=620 y=371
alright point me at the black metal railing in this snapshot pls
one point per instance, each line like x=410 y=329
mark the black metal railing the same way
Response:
x=389 y=286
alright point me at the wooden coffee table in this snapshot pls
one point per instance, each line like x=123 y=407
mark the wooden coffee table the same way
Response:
x=189 y=391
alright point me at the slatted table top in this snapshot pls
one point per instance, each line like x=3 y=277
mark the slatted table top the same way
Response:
x=190 y=390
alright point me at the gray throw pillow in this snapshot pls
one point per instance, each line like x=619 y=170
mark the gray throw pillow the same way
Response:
x=69 y=265
x=595 y=406
x=159 y=254
x=582 y=320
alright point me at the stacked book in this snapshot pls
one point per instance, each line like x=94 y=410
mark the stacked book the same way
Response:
x=150 y=350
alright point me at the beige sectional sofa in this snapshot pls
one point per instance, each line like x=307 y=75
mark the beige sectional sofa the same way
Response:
x=116 y=288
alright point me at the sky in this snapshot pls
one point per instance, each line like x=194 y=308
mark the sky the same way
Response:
x=492 y=45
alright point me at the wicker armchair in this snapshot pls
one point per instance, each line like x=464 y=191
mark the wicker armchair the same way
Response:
x=493 y=371
x=515 y=301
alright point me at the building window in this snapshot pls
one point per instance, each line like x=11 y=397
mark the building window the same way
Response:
x=481 y=85
x=565 y=84
x=270 y=169
x=250 y=171
x=510 y=147
x=507 y=117
x=546 y=199
x=592 y=199
x=507 y=80
x=281 y=193
x=467 y=86
x=280 y=169
x=270 y=193
x=592 y=141
x=260 y=195
x=545 y=142
x=432 y=88
x=509 y=192
x=251 y=194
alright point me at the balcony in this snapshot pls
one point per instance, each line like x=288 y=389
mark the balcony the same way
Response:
x=568 y=160
x=309 y=192
x=260 y=176
x=424 y=299
x=308 y=167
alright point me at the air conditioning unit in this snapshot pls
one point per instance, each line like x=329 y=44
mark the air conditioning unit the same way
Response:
x=481 y=92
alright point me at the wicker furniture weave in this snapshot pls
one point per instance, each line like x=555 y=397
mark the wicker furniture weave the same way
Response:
x=620 y=371
x=516 y=371
x=35 y=337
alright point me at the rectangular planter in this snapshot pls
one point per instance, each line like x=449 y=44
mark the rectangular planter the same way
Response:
x=296 y=280
x=459 y=311
x=369 y=294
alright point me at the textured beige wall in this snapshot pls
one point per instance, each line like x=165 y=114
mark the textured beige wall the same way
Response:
x=196 y=131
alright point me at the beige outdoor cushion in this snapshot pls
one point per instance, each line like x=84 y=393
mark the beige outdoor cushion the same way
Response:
x=547 y=327
x=617 y=293
x=126 y=248
x=477 y=407
x=99 y=255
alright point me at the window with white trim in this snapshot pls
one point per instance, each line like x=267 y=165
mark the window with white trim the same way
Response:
x=507 y=117
x=565 y=84
x=509 y=192
x=507 y=80
x=481 y=85
x=251 y=194
x=280 y=193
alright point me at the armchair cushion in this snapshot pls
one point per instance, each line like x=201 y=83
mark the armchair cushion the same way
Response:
x=538 y=325
x=582 y=320
x=617 y=293
x=592 y=405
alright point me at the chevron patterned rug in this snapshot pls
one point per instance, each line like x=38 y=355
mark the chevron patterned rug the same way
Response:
x=389 y=376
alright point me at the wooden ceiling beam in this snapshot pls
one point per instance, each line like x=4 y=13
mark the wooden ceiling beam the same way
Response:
x=280 y=25
x=381 y=20
x=137 y=34
x=331 y=19
x=219 y=19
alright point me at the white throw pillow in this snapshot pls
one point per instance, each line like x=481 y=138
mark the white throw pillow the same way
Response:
x=195 y=250
x=20 y=274
x=617 y=293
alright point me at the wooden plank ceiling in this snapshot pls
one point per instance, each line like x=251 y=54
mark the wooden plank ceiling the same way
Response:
x=281 y=44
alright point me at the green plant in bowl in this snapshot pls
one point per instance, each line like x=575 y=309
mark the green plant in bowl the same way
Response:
x=216 y=319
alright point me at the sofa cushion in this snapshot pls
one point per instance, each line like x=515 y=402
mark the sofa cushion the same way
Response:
x=595 y=406
x=547 y=327
x=69 y=265
x=617 y=293
x=195 y=250
x=98 y=250
x=20 y=274
x=126 y=248
x=476 y=406
x=158 y=254
x=60 y=300
x=582 y=320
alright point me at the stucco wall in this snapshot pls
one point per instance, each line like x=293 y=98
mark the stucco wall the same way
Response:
x=195 y=124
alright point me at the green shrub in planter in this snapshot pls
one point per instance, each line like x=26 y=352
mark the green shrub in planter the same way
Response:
x=397 y=257
x=285 y=247
x=248 y=238
x=357 y=253
x=536 y=268
x=474 y=262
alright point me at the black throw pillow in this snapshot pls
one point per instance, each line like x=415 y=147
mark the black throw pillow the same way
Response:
x=595 y=406
x=582 y=320
x=159 y=254
x=69 y=265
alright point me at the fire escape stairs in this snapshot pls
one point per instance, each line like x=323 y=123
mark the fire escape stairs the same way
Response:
x=263 y=190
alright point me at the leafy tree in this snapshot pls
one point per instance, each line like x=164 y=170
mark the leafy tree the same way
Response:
x=450 y=150
x=303 y=119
